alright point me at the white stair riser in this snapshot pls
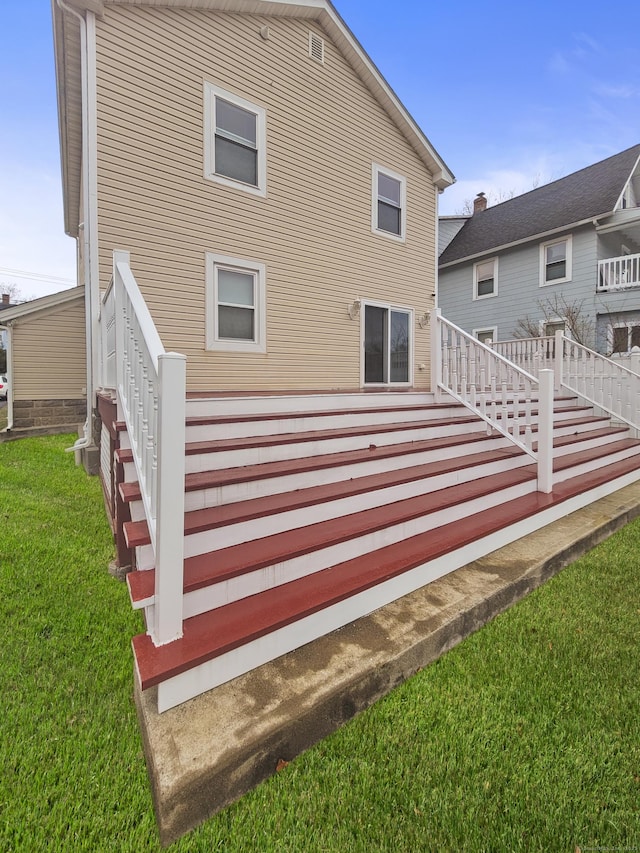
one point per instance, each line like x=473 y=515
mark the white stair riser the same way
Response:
x=241 y=457
x=292 y=403
x=595 y=464
x=182 y=687
x=235 y=492
x=586 y=444
x=323 y=557
x=282 y=426
x=145 y=558
x=562 y=428
x=257 y=528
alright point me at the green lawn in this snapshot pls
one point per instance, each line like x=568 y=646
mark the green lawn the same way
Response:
x=524 y=737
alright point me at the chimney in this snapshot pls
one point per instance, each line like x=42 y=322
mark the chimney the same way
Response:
x=5 y=298
x=479 y=203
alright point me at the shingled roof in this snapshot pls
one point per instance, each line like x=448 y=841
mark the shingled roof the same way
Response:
x=583 y=195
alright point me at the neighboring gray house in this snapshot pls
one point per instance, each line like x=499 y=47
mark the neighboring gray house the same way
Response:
x=565 y=255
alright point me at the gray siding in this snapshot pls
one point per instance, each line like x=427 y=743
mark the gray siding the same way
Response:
x=519 y=293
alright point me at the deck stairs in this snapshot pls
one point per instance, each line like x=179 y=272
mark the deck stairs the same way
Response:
x=306 y=512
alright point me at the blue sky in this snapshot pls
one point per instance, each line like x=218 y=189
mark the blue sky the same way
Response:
x=511 y=95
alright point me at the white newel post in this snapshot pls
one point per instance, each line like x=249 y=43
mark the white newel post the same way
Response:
x=558 y=361
x=118 y=296
x=436 y=353
x=545 y=432
x=170 y=496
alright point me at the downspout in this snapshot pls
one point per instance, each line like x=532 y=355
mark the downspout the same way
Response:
x=90 y=215
x=9 y=330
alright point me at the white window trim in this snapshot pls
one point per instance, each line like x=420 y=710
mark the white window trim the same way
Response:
x=476 y=295
x=259 y=345
x=620 y=324
x=389 y=307
x=553 y=320
x=211 y=92
x=543 y=260
x=492 y=329
x=376 y=169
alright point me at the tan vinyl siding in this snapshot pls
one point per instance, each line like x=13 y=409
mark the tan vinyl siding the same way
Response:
x=49 y=354
x=313 y=229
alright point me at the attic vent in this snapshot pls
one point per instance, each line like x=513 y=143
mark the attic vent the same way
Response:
x=316 y=47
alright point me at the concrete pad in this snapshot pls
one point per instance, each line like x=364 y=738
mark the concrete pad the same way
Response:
x=206 y=753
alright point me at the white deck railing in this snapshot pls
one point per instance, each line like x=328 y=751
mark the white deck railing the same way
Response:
x=151 y=391
x=604 y=383
x=487 y=383
x=618 y=273
x=108 y=339
x=530 y=354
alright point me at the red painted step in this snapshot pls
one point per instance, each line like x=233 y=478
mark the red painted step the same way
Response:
x=210 y=635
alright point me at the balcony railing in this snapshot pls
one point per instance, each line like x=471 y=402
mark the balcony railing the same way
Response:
x=618 y=273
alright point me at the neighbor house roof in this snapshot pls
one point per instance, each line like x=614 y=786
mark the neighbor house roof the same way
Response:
x=68 y=76
x=54 y=300
x=582 y=196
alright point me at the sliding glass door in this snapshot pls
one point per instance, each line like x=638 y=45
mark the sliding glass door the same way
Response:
x=387 y=345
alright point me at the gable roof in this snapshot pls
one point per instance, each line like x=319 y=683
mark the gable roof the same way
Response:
x=582 y=196
x=32 y=306
x=68 y=77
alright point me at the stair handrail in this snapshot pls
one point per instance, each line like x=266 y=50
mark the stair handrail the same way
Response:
x=151 y=393
x=606 y=384
x=484 y=381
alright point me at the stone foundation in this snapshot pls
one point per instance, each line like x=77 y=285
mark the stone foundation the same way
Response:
x=35 y=414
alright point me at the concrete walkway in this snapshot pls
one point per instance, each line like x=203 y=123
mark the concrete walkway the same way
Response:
x=206 y=753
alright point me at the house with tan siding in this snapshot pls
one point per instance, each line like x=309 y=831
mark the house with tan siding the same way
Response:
x=46 y=362
x=289 y=432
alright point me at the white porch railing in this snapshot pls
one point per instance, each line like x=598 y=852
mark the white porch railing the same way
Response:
x=485 y=381
x=618 y=273
x=604 y=383
x=151 y=391
x=530 y=354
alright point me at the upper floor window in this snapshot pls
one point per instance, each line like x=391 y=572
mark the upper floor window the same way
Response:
x=389 y=192
x=485 y=279
x=236 y=310
x=235 y=141
x=555 y=261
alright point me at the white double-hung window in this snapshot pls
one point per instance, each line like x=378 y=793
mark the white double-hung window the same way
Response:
x=235 y=304
x=388 y=209
x=235 y=141
x=555 y=261
x=485 y=279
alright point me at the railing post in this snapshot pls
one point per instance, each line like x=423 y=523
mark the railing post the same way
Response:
x=119 y=256
x=436 y=353
x=558 y=361
x=170 y=491
x=545 y=432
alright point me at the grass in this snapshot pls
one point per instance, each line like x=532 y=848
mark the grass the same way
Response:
x=524 y=737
